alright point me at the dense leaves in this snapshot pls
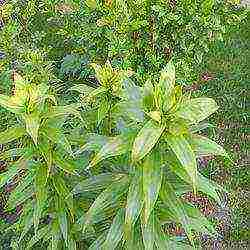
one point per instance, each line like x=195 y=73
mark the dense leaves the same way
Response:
x=103 y=165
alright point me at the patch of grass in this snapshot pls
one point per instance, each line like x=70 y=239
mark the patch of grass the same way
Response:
x=228 y=63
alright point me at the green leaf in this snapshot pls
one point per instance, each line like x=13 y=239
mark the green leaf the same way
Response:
x=103 y=110
x=65 y=194
x=207 y=6
x=97 y=182
x=203 y=146
x=148 y=98
x=41 y=192
x=97 y=92
x=197 y=109
x=203 y=184
x=94 y=143
x=130 y=110
x=28 y=222
x=82 y=88
x=64 y=164
x=146 y=140
x=62 y=218
x=170 y=200
x=115 y=232
x=134 y=204
x=199 y=127
x=11 y=134
x=14 y=152
x=92 y=4
x=166 y=84
x=12 y=106
x=72 y=245
x=5 y=177
x=23 y=184
x=97 y=244
x=152 y=178
x=108 y=198
x=32 y=122
x=148 y=233
x=20 y=198
x=41 y=233
x=56 y=135
x=185 y=155
x=64 y=111
x=115 y=146
x=55 y=235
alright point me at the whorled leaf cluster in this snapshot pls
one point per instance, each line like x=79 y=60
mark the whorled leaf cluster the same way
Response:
x=109 y=171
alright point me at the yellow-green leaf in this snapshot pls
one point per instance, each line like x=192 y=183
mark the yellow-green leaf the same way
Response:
x=32 y=122
x=203 y=146
x=185 y=155
x=146 y=140
x=115 y=146
x=152 y=178
x=115 y=232
x=11 y=104
x=11 y=134
x=64 y=164
x=134 y=204
x=166 y=84
x=171 y=200
x=197 y=109
x=41 y=193
x=108 y=198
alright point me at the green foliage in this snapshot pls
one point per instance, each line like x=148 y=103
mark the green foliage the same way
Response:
x=140 y=35
x=129 y=187
x=106 y=171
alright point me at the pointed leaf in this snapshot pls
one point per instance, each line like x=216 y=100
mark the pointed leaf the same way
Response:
x=11 y=105
x=134 y=204
x=64 y=164
x=115 y=146
x=185 y=155
x=197 y=109
x=20 y=198
x=152 y=178
x=203 y=184
x=97 y=244
x=11 y=134
x=115 y=232
x=148 y=98
x=64 y=111
x=64 y=193
x=170 y=199
x=97 y=182
x=146 y=140
x=28 y=222
x=148 y=231
x=62 y=218
x=108 y=198
x=166 y=84
x=5 y=177
x=41 y=193
x=41 y=233
x=32 y=122
x=82 y=88
x=203 y=146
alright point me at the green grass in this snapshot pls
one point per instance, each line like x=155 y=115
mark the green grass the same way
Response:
x=229 y=64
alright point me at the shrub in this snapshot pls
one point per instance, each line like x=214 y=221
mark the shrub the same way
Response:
x=141 y=35
x=117 y=180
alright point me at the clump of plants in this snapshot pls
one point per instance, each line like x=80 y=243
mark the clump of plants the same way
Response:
x=110 y=171
x=142 y=35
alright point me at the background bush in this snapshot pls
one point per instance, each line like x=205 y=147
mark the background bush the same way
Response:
x=54 y=42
